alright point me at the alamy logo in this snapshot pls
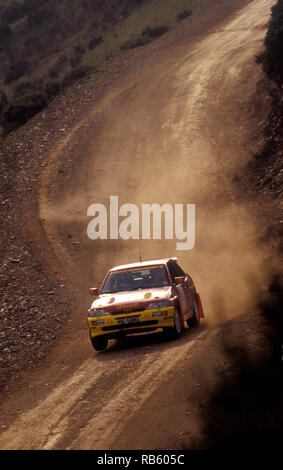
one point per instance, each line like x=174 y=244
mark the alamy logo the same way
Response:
x=146 y=226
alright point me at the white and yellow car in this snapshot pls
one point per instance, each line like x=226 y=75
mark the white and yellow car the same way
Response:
x=141 y=297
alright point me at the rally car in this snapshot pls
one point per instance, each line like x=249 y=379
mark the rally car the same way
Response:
x=141 y=297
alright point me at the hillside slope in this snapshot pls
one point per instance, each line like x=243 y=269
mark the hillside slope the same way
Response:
x=264 y=173
x=48 y=45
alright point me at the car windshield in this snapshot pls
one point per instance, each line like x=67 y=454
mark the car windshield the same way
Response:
x=135 y=279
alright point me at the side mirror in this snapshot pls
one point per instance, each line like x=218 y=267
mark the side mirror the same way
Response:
x=93 y=291
x=179 y=279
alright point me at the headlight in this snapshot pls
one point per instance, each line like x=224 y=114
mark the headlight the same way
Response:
x=159 y=304
x=98 y=313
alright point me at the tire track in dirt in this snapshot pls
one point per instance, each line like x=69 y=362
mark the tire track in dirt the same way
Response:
x=133 y=393
x=41 y=428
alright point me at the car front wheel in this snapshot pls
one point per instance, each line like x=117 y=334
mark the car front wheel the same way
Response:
x=177 y=330
x=99 y=342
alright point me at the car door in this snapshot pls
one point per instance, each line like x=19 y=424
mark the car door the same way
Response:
x=187 y=288
x=181 y=288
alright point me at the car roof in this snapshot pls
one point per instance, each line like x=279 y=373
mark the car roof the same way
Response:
x=142 y=264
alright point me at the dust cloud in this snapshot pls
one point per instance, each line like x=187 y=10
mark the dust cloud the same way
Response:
x=171 y=135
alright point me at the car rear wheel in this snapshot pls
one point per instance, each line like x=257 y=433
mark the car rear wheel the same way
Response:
x=99 y=342
x=194 y=320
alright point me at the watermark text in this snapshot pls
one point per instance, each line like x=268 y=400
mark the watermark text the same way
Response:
x=150 y=222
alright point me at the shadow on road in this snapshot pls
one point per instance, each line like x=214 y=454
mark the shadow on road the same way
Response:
x=144 y=343
x=245 y=411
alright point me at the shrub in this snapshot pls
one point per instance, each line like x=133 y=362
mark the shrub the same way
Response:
x=95 y=42
x=76 y=56
x=148 y=34
x=27 y=89
x=37 y=17
x=57 y=67
x=184 y=14
x=79 y=49
x=128 y=5
x=13 y=13
x=53 y=73
x=75 y=60
x=52 y=89
x=5 y=32
x=154 y=32
x=19 y=112
x=137 y=43
x=3 y=100
x=110 y=17
x=73 y=76
x=33 y=42
x=17 y=70
x=272 y=58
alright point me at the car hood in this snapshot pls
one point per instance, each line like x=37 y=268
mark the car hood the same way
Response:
x=131 y=299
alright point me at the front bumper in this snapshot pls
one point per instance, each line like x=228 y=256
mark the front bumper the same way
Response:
x=146 y=320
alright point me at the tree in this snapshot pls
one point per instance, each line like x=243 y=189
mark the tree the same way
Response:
x=272 y=58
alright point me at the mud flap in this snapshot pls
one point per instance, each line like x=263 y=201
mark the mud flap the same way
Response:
x=200 y=309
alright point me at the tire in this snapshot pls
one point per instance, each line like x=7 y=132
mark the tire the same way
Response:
x=194 y=320
x=99 y=343
x=177 y=330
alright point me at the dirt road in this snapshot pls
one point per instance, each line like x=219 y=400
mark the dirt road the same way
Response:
x=175 y=130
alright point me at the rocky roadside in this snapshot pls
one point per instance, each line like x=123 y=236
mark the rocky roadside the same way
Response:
x=262 y=178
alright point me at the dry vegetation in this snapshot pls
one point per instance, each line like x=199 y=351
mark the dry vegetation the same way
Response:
x=47 y=45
